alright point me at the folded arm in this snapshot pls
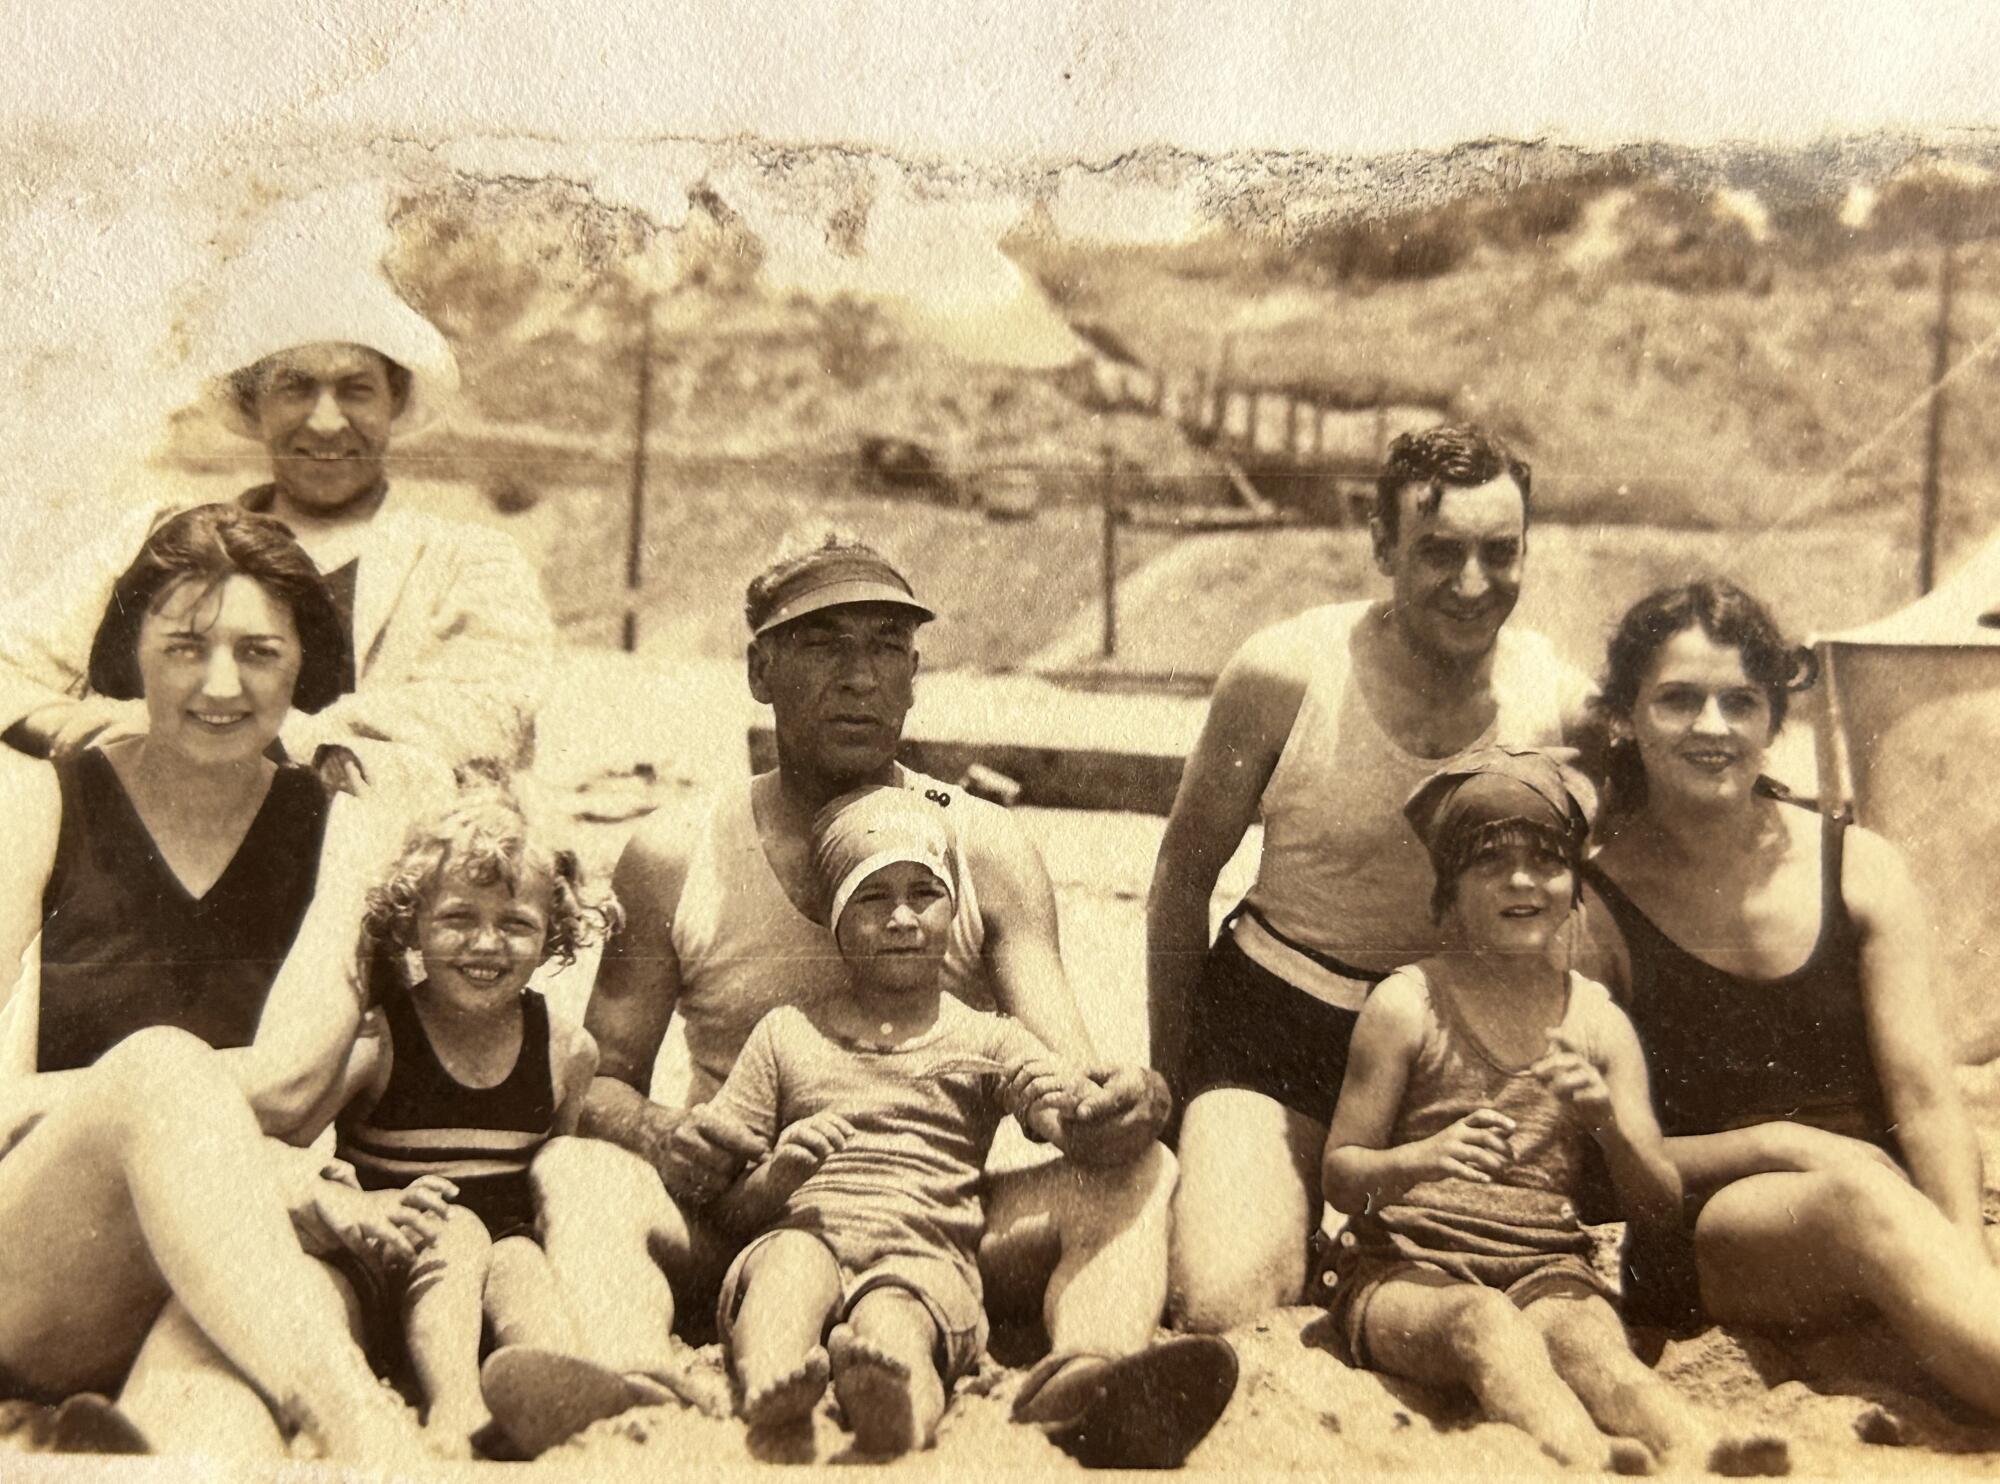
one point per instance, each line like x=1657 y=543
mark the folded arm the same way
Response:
x=467 y=684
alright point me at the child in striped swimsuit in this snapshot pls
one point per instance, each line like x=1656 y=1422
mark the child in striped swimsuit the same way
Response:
x=1478 y=1081
x=459 y=1079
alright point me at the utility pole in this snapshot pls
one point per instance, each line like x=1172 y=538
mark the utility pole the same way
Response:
x=1927 y=507
x=1109 y=499
x=635 y=545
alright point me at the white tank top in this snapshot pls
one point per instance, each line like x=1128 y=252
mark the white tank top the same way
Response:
x=1341 y=871
x=745 y=949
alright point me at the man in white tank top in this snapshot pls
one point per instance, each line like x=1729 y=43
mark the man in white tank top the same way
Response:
x=724 y=922
x=1321 y=726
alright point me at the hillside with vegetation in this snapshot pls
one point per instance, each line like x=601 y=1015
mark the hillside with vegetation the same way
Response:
x=1665 y=353
x=1730 y=341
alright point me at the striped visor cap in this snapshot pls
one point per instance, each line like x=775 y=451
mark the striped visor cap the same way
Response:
x=837 y=579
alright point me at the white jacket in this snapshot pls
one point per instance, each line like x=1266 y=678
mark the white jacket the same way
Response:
x=452 y=639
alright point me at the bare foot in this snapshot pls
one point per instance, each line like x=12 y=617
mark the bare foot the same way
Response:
x=381 y=1433
x=684 y=1378
x=875 y=1395
x=447 y=1439
x=1751 y=1455
x=779 y=1401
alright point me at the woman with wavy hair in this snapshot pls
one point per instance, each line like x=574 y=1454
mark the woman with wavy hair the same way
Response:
x=1774 y=961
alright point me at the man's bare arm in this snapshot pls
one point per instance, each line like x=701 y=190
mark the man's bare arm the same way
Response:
x=1023 y=940
x=637 y=987
x=1023 y=951
x=1255 y=703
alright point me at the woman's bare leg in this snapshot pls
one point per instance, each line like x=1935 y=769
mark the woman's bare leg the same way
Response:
x=153 y=1174
x=186 y=1397
x=1797 y=1251
x=1247 y=1202
x=1443 y=1332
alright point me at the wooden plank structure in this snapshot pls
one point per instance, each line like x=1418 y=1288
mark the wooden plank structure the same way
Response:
x=1065 y=748
x=1309 y=451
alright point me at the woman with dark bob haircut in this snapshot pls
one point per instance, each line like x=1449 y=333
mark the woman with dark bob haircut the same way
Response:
x=183 y=1007
x=208 y=545
x=1774 y=961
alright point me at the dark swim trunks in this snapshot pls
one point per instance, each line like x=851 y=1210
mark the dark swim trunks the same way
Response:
x=1251 y=1030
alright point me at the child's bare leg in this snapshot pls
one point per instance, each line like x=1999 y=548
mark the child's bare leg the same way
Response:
x=525 y=1304
x=1435 y=1329
x=1589 y=1347
x=444 y=1307
x=791 y=1286
x=885 y=1372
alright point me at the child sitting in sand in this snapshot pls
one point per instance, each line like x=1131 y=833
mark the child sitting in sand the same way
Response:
x=458 y=1081
x=1477 y=1081
x=877 y=1108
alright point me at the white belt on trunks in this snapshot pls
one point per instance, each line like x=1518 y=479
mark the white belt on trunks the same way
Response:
x=1304 y=974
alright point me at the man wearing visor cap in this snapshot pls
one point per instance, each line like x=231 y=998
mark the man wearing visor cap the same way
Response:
x=725 y=922
x=312 y=356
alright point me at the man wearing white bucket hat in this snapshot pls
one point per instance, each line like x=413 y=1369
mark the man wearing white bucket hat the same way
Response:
x=311 y=353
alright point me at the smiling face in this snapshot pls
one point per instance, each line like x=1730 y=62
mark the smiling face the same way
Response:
x=324 y=413
x=482 y=940
x=1514 y=895
x=1702 y=726
x=217 y=667
x=1456 y=570
x=893 y=930
x=839 y=683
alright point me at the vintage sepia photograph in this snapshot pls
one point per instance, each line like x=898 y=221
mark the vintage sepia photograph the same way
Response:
x=1147 y=738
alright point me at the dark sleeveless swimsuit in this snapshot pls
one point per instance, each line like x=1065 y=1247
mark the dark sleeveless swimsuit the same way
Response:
x=427 y=1122
x=1727 y=1052
x=125 y=947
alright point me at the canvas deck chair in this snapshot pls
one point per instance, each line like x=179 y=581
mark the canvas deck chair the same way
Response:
x=1909 y=737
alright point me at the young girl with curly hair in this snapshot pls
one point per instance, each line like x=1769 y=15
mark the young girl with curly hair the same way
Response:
x=460 y=1078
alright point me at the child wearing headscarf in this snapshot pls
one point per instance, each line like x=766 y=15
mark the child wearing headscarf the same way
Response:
x=1479 y=1080
x=877 y=1109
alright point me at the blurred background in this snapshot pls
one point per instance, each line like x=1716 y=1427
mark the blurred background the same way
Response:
x=1712 y=359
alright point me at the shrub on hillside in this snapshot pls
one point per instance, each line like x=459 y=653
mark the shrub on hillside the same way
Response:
x=1532 y=213
x=1680 y=240
x=1405 y=247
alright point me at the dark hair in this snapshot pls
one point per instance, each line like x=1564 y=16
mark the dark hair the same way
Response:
x=208 y=545
x=1729 y=616
x=1460 y=852
x=1456 y=456
x=246 y=382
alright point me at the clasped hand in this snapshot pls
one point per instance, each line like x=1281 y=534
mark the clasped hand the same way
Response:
x=391 y=1226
